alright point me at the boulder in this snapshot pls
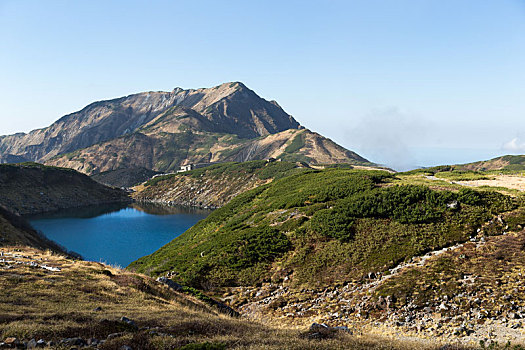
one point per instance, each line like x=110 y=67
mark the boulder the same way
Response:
x=128 y=321
x=73 y=341
x=323 y=331
x=11 y=342
x=114 y=335
x=31 y=344
x=173 y=285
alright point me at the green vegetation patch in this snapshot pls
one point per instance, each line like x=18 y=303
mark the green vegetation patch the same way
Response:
x=463 y=175
x=296 y=144
x=324 y=227
x=262 y=169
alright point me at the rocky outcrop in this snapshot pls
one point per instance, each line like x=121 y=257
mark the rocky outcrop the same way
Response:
x=205 y=192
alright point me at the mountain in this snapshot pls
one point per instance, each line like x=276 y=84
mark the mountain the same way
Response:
x=30 y=188
x=163 y=130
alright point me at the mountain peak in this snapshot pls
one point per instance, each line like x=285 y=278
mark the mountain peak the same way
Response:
x=229 y=108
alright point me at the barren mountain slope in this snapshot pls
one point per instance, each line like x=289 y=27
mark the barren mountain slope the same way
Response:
x=164 y=151
x=510 y=162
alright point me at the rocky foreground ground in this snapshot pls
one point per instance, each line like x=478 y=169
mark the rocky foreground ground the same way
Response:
x=480 y=300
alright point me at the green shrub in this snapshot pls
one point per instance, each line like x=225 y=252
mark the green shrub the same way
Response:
x=254 y=245
x=332 y=223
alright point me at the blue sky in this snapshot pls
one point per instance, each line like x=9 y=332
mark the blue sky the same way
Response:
x=403 y=83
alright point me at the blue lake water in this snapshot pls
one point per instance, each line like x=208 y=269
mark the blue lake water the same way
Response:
x=116 y=234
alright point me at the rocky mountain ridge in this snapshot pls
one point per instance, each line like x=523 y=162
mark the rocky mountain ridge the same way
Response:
x=229 y=108
x=162 y=130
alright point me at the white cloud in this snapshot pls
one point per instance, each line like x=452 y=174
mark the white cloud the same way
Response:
x=514 y=145
x=387 y=136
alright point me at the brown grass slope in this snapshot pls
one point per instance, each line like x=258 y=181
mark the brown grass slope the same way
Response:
x=88 y=300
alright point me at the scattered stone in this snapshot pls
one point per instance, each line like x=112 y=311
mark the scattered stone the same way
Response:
x=125 y=347
x=12 y=341
x=173 y=285
x=92 y=341
x=31 y=344
x=73 y=341
x=128 y=321
x=98 y=308
x=452 y=205
x=443 y=307
x=114 y=335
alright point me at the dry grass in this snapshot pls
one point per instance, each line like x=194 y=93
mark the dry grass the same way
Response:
x=36 y=303
x=507 y=184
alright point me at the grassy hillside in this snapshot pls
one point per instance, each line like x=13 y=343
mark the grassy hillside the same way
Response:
x=509 y=163
x=92 y=303
x=320 y=228
x=31 y=188
x=215 y=185
x=505 y=164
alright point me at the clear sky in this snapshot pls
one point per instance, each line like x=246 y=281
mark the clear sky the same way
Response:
x=404 y=82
